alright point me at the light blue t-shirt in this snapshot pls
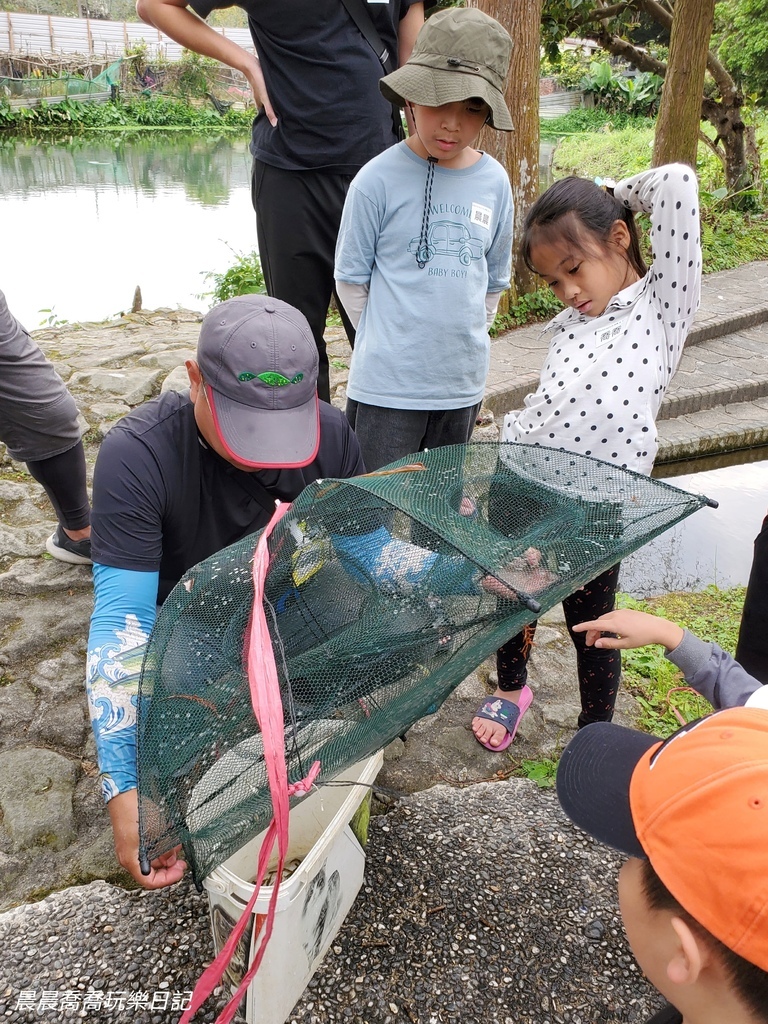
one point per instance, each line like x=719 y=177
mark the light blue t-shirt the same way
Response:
x=422 y=341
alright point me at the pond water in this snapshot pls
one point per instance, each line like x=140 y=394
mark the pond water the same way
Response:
x=712 y=545
x=86 y=221
x=89 y=219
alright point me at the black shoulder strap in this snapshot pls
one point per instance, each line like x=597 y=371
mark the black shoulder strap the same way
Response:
x=247 y=481
x=358 y=12
x=257 y=491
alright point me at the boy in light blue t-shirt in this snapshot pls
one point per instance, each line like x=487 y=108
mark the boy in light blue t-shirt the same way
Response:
x=424 y=248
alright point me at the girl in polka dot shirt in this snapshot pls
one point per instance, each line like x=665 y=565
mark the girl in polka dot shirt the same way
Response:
x=613 y=352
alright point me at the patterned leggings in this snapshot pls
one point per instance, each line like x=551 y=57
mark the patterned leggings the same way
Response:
x=599 y=671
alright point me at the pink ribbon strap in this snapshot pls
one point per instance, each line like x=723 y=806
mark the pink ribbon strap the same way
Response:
x=268 y=709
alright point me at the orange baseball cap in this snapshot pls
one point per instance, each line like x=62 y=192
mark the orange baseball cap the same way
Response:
x=696 y=805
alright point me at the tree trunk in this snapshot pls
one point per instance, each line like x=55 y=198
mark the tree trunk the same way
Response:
x=735 y=141
x=677 y=127
x=739 y=155
x=518 y=151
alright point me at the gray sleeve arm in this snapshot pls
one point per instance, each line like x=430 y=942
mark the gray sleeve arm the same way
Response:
x=714 y=673
x=353 y=298
x=491 y=305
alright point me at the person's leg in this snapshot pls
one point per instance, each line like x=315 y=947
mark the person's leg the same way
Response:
x=297 y=221
x=449 y=426
x=444 y=427
x=350 y=411
x=63 y=479
x=752 y=648
x=512 y=672
x=386 y=435
x=599 y=670
x=38 y=424
x=512 y=661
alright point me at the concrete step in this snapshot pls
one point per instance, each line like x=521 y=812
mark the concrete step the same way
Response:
x=724 y=428
x=716 y=370
x=719 y=371
x=718 y=399
x=715 y=318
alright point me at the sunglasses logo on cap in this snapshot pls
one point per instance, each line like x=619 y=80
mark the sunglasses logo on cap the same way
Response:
x=274 y=380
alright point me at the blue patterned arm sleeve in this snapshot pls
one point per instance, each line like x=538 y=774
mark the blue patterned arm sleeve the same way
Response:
x=123 y=616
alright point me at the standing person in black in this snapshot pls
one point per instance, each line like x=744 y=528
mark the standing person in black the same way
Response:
x=321 y=117
x=752 y=648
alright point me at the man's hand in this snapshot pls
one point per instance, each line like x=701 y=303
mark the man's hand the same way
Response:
x=124 y=812
x=176 y=20
x=252 y=71
x=630 y=629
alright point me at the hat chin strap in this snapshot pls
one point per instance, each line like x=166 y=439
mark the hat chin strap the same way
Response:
x=432 y=159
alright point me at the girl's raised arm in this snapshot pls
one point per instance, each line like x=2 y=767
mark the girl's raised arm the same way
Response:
x=669 y=195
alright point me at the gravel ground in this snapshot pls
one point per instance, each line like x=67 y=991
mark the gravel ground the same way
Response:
x=479 y=905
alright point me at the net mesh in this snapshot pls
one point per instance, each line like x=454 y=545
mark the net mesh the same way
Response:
x=38 y=87
x=383 y=593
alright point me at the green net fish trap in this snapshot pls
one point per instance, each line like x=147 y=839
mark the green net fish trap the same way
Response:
x=381 y=594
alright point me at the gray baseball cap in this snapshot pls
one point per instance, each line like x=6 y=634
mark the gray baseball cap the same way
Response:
x=459 y=53
x=259 y=361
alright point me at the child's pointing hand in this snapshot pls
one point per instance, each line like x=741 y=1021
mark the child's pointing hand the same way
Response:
x=631 y=629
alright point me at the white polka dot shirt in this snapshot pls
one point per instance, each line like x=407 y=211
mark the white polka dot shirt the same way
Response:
x=604 y=377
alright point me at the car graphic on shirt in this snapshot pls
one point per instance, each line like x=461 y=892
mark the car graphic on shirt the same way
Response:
x=448 y=238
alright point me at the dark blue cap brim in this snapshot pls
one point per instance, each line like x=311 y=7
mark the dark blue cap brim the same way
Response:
x=593 y=780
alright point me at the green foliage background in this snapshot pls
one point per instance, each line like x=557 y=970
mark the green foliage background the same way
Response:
x=139 y=113
x=593 y=143
x=741 y=38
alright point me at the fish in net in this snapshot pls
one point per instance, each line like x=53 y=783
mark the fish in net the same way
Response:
x=382 y=593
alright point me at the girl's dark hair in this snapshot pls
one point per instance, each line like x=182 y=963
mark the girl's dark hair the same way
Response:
x=748 y=981
x=578 y=212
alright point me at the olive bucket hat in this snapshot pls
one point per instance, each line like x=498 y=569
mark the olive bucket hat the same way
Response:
x=460 y=53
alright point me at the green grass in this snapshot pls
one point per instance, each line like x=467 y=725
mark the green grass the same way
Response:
x=661 y=695
x=583 y=120
x=542 y=771
x=607 y=152
x=659 y=688
x=595 y=143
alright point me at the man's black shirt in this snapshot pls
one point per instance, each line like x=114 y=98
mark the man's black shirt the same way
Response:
x=163 y=500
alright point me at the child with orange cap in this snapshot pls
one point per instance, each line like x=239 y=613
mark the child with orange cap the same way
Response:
x=691 y=813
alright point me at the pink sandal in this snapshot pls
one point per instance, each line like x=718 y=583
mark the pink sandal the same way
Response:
x=506 y=713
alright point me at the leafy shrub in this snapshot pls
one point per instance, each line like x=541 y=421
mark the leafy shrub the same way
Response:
x=244 y=277
x=141 y=112
x=538 y=305
x=567 y=69
x=729 y=239
x=196 y=75
x=741 y=35
x=639 y=94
